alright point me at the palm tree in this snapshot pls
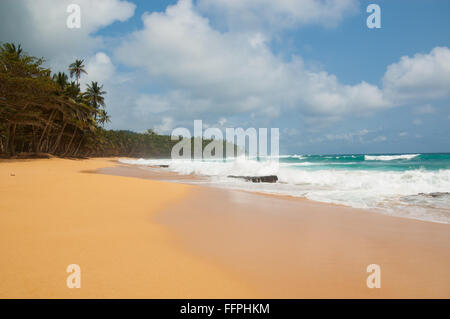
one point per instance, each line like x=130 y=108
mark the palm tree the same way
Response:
x=103 y=117
x=72 y=90
x=61 y=79
x=12 y=49
x=94 y=95
x=76 y=68
x=14 y=57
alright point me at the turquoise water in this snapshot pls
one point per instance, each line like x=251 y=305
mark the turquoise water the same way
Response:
x=376 y=162
x=413 y=186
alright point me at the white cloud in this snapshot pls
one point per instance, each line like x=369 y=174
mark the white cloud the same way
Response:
x=217 y=74
x=279 y=14
x=40 y=26
x=231 y=73
x=417 y=122
x=403 y=134
x=424 y=76
x=99 y=68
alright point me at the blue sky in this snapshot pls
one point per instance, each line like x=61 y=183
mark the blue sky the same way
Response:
x=310 y=68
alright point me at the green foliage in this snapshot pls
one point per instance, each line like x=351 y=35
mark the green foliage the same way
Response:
x=77 y=68
x=148 y=144
x=41 y=113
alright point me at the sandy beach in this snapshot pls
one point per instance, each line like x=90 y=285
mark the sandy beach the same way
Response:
x=137 y=236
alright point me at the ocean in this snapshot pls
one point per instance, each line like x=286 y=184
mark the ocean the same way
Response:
x=406 y=185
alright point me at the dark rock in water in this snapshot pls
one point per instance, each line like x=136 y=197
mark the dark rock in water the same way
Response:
x=434 y=195
x=258 y=179
x=158 y=166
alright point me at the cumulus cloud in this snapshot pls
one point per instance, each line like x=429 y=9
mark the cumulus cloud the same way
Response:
x=224 y=75
x=423 y=76
x=99 y=68
x=230 y=72
x=40 y=26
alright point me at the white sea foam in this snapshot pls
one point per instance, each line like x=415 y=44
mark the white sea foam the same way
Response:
x=238 y=167
x=384 y=190
x=389 y=157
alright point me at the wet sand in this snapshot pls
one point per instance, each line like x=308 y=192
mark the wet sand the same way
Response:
x=289 y=247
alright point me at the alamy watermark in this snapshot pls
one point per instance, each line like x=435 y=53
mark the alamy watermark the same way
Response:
x=74 y=279
x=74 y=18
x=235 y=141
x=374 y=19
x=374 y=279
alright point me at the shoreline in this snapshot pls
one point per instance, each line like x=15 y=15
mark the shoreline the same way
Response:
x=252 y=221
x=136 y=237
x=392 y=189
x=158 y=173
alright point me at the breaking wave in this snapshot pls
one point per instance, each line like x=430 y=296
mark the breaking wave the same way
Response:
x=392 y=188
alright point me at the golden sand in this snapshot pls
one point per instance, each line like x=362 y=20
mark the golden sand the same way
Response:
x=144 y=238
x=54 y=213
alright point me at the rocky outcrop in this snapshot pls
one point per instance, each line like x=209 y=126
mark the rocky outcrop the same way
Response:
x=258 y=179
x=436 y=194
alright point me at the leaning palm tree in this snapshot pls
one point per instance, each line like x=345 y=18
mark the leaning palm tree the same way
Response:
x=76 y=68
x=94 y=95
x=103 y=117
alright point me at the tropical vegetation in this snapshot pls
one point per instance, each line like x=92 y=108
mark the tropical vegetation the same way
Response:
x=45 y=112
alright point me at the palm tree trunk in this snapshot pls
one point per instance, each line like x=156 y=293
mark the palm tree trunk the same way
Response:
x=78 y=148
x=38 y=147
x=70 y=143
x=12 y=135
x=33 y=141
x=8 y=132
x=58 y=140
